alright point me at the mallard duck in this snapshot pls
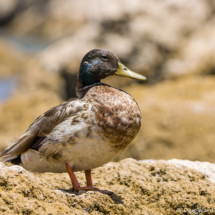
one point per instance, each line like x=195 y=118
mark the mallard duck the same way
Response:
x=85 y=133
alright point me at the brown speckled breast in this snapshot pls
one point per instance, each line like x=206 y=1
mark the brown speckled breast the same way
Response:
x=116 y=113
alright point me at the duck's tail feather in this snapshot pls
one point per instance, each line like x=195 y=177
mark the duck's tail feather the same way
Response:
x=4 y=158
x=19 y=147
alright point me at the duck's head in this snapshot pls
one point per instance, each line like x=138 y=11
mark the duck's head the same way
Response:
x=99 y=64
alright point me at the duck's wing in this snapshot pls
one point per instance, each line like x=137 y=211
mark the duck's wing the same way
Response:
x=41 y=127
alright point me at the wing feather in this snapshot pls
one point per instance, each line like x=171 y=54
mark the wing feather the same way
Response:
x=41 y=127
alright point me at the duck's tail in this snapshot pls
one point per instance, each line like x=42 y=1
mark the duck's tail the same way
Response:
x=17 y=148
x=8 y=155
x=4 y=158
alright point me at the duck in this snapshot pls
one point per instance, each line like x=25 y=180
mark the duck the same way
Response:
x=85 y=133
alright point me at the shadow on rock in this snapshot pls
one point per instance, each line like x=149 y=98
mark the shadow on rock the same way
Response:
x=116 y=199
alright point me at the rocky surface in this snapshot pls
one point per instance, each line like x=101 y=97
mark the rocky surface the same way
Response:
x=143 y=187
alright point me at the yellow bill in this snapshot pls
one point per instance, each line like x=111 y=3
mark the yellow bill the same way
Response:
x=125 y=72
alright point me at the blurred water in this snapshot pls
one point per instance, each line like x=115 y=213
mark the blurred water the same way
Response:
x=6 y=88
x=28 y=44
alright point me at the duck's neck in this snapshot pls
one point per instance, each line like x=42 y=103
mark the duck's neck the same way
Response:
x=82 y=88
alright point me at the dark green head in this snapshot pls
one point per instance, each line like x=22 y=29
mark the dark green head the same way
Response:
x=96 y=65
x=99 y=64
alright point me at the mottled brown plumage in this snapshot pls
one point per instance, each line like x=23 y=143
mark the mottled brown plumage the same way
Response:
x=119 y=123
x=84 y=133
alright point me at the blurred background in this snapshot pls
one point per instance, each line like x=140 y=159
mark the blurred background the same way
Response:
x=172 y=42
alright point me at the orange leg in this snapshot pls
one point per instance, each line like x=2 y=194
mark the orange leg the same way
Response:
x=89 y=186
x=88 y=177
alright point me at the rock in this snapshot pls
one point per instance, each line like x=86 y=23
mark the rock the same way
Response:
x=178 y=119
x=144 y=187
x=153 y=40
x=9 y=9
x=206 y=168
x=148 y=38
x=11 y=60
x=31 y=12
x=196 y=57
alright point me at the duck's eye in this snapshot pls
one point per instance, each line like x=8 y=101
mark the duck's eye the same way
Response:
x=104 y=57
